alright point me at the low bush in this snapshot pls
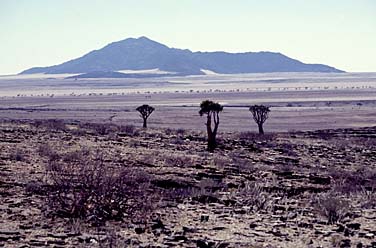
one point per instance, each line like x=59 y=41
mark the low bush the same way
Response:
x=252 y=196
x=179 y=160
x=207 y=191
x=368 y=199
x=99 y=128
x=51 y=124
x=333 y=207
x=84 y=185
x=252 y=136
x=180 y=131
x=346 y=181
x=168 y=131
x=35 y=188
x=46 y=150
x=17 y=155
x=129 y=130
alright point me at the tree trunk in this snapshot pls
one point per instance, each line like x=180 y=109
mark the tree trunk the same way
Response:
x=211 y=135
x=261 y=129
x=212 y=143
x=144 y=126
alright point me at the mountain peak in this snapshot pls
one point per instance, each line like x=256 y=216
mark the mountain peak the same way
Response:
x=140 y=42
x=143 y=53
x=134 y=40
x=139 y=39
x=144 y=38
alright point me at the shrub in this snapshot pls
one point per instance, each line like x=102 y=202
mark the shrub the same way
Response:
x=168 y=131
x=179 y=160
x=17 y=155
x=84 y=186
x=77 y=131
x=45 y=150
x=180 y=131
x=333 y=207
x=368 y=199
x=177 y=141
x=353 y=181
x=207 y=191
x=256 y=137
x=35 y=188
x=252 y=195
x=130 y=130
x=51 y=124
x=99 y=128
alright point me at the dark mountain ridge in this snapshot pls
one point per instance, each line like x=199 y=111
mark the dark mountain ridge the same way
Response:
x=143 y=54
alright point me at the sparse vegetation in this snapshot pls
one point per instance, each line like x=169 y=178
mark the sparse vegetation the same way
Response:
x=348 y=182
x=211 y=110
x=99 y=128
x=253 y=197
x=129 y=130
x=160 y=186
x=51 y=124
x=333 y=207
x=17 y=155
x=83 y=185
x=252 y=136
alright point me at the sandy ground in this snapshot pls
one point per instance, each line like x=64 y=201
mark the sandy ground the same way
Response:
x=298 y=101
x=41 y=84
x=291 y=110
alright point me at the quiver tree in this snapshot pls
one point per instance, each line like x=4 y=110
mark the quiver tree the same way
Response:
x=260 y=114
x=211 y=110
x=145 y=111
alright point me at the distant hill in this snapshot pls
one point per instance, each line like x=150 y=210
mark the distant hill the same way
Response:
x=113 y=74
x=144 y=54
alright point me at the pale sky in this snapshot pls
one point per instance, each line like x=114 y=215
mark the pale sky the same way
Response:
x=339 y=33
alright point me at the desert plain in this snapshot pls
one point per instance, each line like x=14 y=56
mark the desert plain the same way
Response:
x=308 y=182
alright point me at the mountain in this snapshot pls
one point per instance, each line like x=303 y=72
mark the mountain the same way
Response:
x=143 y=53
x=114 y=74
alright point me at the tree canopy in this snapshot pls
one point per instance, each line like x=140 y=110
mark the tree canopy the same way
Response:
x=207 y=107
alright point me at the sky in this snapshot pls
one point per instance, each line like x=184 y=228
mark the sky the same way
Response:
x=339 y=33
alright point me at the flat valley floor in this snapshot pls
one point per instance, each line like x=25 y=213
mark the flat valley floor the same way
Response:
x=298 y=101
x=309 y=182
x=296 y=110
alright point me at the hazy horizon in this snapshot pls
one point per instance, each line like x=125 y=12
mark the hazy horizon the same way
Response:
x=336 y=33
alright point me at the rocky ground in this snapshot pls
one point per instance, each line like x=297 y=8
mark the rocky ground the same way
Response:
x=303 y=189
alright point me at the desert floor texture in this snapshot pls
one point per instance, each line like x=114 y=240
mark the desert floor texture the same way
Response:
x=279 y=190
x=77 y=169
